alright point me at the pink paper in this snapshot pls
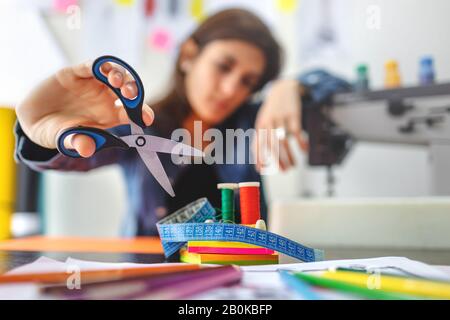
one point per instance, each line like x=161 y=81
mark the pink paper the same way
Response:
x=161 y=39
x=218 y=250
x=62 y=5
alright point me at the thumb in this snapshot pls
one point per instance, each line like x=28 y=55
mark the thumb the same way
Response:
x=83 y=144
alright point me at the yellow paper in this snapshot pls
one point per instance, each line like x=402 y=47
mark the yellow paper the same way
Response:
x=411 y=286
x=5 y=222
x=197 y=10
x=287 y=6
x=7 y=170
x=221 y=244
x=126 y=3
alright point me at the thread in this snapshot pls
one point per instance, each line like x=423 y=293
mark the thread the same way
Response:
x=426 y=72
x=392 y=79
x=250 y=202
x=227 y=190
x=362 y=81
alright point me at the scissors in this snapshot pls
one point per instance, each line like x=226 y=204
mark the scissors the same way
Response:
x=147 y=146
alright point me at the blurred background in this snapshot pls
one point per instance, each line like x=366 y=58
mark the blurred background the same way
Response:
x=39 y=37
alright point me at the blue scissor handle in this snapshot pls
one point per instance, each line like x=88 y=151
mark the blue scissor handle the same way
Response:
x=134 y=106
x=102 y=138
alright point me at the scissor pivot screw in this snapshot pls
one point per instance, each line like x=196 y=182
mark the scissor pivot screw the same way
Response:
x=140 y=141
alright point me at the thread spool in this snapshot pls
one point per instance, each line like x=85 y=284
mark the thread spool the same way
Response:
x=227 y=190
x=362 y=81
x=250 y=202
x=393 y=79
x=426 y=73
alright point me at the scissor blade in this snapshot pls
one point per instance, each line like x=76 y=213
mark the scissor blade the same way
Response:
x=154 y=165
x=158 y=144
x=135 y=129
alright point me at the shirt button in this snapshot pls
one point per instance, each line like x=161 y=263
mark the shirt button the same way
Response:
x=161 y=212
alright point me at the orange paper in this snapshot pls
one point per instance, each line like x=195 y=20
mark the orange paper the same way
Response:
x=149 y=245
x=90 y=276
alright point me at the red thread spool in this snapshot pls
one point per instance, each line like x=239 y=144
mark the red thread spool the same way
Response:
x=249 y=200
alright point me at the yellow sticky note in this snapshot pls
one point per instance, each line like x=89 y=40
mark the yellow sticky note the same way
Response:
x=287 y=6
x=126 y=3
x=197 y=10
x=7 y=170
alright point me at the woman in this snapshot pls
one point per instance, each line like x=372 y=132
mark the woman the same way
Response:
x=231 y=56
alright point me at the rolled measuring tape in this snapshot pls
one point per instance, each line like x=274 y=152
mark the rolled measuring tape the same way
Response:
x=187 y=224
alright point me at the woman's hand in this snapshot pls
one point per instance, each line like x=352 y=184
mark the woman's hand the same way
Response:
x=281 y=114
x=73 y=97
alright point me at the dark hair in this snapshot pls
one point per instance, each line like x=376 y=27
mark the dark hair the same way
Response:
x=237 y=24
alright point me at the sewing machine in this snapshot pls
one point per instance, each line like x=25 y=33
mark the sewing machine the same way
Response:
x=415 y=227
x=413 y=115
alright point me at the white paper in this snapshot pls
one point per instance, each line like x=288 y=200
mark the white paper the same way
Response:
x=395 y=265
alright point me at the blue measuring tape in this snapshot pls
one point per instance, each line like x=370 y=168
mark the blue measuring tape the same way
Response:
x=187 y=224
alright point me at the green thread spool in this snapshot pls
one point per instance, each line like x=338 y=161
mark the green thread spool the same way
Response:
x=227 y=200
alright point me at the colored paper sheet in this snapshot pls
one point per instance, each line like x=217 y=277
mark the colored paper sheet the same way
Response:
x=199 y=260
x=221 y=244
x=5 y=222
x=149 y=245
x=149 y=7
x=188 y=257
x=125 y=3
x=197 y=10
x=238 y=251
x=62 y=5
x=8 y=171
x=287 y=6
x=161 y=39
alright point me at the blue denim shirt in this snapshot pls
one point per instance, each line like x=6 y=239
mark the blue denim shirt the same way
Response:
x=148 y=201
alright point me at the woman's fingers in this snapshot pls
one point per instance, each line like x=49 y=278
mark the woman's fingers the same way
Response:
x=119 y=78
x=129 y=90
x=302 y=142
x=83 y=144
x=294 y=128
x=286 y=154
x=147 y=115
x=263 y=144
x=83 y=70
x=273 y=137
x=116 y=78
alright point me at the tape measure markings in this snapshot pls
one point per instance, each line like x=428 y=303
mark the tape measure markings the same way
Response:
x=184 y=232
x=187 y=224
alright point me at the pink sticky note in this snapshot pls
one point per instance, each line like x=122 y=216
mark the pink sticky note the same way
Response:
x=238 y=251
x=161 y=39
x=62 y=5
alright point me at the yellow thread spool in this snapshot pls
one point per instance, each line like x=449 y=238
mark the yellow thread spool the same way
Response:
x=392 y=78
x=7 y=171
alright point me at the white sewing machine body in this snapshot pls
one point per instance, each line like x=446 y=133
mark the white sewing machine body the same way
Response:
x=415 y=115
